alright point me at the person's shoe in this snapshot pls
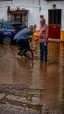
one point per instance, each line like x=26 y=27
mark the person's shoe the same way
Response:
x=22 y=52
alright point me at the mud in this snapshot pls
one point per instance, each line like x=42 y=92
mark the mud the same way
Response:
x=32 y=86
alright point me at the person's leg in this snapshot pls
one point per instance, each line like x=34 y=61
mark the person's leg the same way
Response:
x=41 y=51
x=27 y=44
x=45 y=53
x=20 y=45
x=25 y=47
x=20 y=51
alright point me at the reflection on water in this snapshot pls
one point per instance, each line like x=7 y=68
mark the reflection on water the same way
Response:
x=32 y=87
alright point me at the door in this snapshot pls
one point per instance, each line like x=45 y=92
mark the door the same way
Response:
x=54 y=23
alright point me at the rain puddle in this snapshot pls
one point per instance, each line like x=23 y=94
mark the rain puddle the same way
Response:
x=32 y=86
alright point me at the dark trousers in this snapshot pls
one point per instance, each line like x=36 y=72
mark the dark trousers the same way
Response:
x=23 y=43
x=43 y=52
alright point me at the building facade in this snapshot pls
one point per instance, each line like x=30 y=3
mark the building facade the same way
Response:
x=30 y=11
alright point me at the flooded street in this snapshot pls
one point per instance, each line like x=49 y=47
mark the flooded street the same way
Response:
x=32 y=87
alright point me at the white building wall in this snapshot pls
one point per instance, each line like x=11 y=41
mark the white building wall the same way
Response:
x=33 y=7
x=3 y=10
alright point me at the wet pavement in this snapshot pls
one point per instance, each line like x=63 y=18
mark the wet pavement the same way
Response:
x=32 y=87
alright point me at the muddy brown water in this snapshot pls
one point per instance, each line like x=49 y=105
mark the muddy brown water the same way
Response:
x=32 y=87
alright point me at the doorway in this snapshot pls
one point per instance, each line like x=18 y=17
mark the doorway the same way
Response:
x=54 y=21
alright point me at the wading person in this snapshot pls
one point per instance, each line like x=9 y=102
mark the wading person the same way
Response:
x=43 y=39
x=22 y=38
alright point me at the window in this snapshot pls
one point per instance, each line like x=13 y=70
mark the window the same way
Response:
x=2 y=25
x=55 y=16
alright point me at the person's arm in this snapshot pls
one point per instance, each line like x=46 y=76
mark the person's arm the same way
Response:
x=32 y=31
x=34 y=28
x=47 y=32
x=46 y=36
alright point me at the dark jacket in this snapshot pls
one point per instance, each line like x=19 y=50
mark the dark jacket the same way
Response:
x=23 y=34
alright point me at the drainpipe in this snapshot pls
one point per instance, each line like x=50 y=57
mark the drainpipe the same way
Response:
x=39 y=2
